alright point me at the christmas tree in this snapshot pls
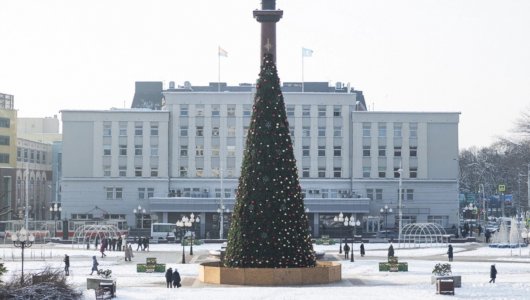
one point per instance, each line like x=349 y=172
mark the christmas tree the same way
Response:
x=269 y=225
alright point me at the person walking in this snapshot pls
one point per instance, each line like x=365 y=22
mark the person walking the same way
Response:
x=66 y=265
x=176 y=279
x=96 y=242
x=146 y=244
x=120 y=241
x=450 y=252
x=140 y=239
x=493 y=274
x=362 y=250
x=487 y=235
x=346 y=249
x=95 y=265
x=128 y=253
x=102 y=249
x=169 y=278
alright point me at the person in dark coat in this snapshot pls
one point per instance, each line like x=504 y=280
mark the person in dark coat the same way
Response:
x=362 y=250
x=96 y=243
x=140 y=239
x=487 y=235
x=391 y=251
x=146 y=244
x=95 y=265
x=120 y=241
x=346 y=251
x=450 y=252
x=493 y=274
x=102 y=249
x=176 y=279
x=169 y=278
x=66 y=265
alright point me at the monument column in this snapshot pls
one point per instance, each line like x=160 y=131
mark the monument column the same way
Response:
x=268 y=16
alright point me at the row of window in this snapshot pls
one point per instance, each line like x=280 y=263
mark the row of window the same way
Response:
x=122 y=171
x=138 y=128
x=382 y=130
x=4 y=158
x=33 y=156
x=229 y=172
x=122 y=150
x=231 y=151
x=231 y=131
x=381 y=172
x=5 y=122
x=377 y=194
x=247 y=110
x=382 y=151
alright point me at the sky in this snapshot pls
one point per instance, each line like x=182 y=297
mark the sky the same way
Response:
x=470 y=57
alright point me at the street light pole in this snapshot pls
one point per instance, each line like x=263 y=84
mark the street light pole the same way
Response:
x=400 y=203
x=385 y=211
x=22 y=240
x=55 y=210
x=352 y=223
x=339 y=218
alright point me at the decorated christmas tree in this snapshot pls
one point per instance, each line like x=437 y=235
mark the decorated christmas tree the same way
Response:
x=269 y=225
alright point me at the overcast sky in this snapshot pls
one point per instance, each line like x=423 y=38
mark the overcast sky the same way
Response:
x=467 y=56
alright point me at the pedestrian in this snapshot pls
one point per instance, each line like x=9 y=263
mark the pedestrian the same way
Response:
x=493 y=273
x=479 y=230
x=169 y=278
x=128 y=252
x=362 y=250
x=140 y=239
x=113 y=244
x=95 y=265
x=450 y=252
x=66 y=265
x=346 y=251
x=120 y=241
x=102 y=249
x=176 y=279
x=146 y=243
x=390 y=251
x=487 y=234
x=96 y=243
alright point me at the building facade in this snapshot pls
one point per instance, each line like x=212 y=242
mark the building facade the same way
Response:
x=8 y=148
x=200 y=141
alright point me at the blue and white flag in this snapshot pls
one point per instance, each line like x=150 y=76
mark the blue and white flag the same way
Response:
x=307 y=52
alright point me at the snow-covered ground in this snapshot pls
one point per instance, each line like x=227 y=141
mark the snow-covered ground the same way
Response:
x=361 y=279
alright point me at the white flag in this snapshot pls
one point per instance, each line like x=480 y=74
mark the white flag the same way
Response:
x=223 y=52
x=307 y=52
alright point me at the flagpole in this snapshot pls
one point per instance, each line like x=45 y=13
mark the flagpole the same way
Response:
x=219 y=69
x=302 y=70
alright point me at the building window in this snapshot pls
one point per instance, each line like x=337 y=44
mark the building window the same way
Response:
x=231 y=131
x=321 y=172
x=337 y=151
x=4 y=158
x=183 y=172
x=413 y=133
x=443 y=221
x=183 y=130
x=305 y=151
x=19 y=154
x=154 y=172
x=247 y=110
x=230 y=151
x=337 y=111
x=4 y=140
x=410 y=195
x=396 y=172
x=138 y=129
x=199 y=172
x=337 y=131
x=215 y=131
x=199 y=150
x=154 y=150
x=366 y=151
x=107 y=129
x=321 y=150
x=321 y=110
x=381 y=129
x=119 y=193
x=123 y=149
x=366 y=172
x=199 y=110
x=122 y=171
x=370 y=194
x=231 y=110
x=379 y=194
x=110 y=193
x=4 y=122
x=141 y=193
x=199 y=131
x=183 y=110
x=184 y=150
x=306 y=111
x=138 y=171
x=138 y=150
x=321 y=131
x=106 y=151
x=413 y=151
x=290 y=110
x=106 y=171
x=397 y=130
x=397 y=151
x=154 y=129
x=337 y=172
x=150 y=192
x=31 y=155
x=215 y=111
x=367 y=127
x=413 y=173
x=305 y=172
x=215 y=151
x=123 y=128
x=306 y=131
x=382 y=151
x=381 y=172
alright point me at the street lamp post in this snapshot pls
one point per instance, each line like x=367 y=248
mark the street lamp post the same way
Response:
x=22 y=239
x=222 y=210
x=339 y=218
x=182 y=224
x=140 y=211
x=385 y=211
x=55 y=211
x=352 y=223
x=193 y=220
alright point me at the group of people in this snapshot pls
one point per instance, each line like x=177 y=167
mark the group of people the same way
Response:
x=111 y=244
x=493 y=270
x=172 y=278
x=143 y=243
x=346 y=249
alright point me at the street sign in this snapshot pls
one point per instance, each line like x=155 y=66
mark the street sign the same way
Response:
x=502 y=188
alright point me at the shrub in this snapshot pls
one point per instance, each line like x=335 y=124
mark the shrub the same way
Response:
x=442 y=270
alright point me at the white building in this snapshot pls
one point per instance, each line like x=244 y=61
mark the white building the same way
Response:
x=176 y=161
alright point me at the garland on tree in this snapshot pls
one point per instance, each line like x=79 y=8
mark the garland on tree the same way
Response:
x=269 y=226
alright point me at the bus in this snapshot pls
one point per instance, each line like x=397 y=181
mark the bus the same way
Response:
x=162 y=231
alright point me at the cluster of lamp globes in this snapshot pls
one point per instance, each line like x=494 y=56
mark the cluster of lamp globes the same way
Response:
x=347 y=221
x=187 y=222
x=22 y=236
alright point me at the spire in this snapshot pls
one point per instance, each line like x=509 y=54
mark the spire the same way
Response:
x=268 y=16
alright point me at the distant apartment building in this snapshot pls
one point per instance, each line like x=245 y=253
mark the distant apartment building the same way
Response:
x=8 y=137
x=186 y=158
